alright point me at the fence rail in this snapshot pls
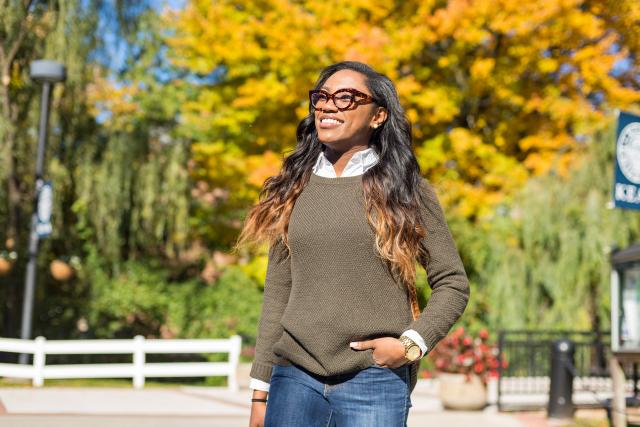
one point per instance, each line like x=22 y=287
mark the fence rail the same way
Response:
x=138 y=370
x=527 y=354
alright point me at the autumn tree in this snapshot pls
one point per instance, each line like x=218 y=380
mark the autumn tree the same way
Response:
x=497 y=90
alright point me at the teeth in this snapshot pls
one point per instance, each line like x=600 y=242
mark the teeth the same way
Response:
x=330 y=121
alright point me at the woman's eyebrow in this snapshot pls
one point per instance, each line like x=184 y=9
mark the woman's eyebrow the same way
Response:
x=340 y=88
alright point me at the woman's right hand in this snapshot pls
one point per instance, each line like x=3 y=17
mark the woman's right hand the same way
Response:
x=258 y=409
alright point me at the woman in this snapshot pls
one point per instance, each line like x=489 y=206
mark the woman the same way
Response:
x=341 y=334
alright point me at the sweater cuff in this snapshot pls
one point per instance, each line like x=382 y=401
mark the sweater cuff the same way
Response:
x=261 y=371
x=416 y=338
x=257 y=384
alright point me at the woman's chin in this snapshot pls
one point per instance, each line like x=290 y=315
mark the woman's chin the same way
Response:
x=328 y=139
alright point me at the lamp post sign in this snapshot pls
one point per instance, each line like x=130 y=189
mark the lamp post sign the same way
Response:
x=43 y=209
x=626 y=189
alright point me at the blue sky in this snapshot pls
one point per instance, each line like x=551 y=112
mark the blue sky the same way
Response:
x=174 y=4
x=116 y=49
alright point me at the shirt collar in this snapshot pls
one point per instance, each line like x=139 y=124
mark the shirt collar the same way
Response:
x=358 y=164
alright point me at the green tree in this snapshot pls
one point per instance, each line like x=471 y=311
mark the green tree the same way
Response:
x=65 y=31
x=544 y=262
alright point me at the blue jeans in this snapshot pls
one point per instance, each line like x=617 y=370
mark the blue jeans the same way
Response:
x=372 y=397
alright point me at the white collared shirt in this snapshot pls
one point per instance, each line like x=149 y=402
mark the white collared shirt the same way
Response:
x=358 y=164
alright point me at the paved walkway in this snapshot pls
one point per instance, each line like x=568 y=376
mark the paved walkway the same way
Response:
x=189 y=406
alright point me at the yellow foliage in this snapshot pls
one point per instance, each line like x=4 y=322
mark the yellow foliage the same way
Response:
x=111 y=103
x=496 y=90
x=262 y=166
x=482 y=68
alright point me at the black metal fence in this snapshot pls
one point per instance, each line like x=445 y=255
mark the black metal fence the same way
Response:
x=527 y=357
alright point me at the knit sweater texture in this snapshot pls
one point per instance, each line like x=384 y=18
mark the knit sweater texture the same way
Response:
x=333 y=288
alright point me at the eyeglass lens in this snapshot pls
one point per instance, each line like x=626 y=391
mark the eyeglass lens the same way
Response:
x=340 y=99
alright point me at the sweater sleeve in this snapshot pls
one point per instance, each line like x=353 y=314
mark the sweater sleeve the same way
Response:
x=445 y=273
x=277 y=287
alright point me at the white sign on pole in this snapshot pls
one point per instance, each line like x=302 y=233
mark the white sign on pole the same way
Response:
x=43 y=210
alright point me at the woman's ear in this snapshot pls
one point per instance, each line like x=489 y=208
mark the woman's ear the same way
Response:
x=379 y=117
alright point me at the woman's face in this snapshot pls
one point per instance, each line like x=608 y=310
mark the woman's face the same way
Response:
x=354 y=126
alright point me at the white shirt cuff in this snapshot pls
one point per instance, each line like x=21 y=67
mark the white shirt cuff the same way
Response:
x=256 y=384
x=415 y=337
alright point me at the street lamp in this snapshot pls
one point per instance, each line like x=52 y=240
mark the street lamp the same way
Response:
x=48 y=73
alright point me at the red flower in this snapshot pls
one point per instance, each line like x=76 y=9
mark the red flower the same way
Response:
x=466 y=354
x=458 y=332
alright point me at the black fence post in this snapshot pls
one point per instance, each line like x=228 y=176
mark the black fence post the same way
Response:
x=561 y=377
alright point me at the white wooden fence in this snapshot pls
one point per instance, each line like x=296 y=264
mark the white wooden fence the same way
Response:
x=138 y=370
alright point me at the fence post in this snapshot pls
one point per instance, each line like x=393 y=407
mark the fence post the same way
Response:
x=561 y=376
x=618 y=402
x=138 y=361
x=234 y=357
x=38 y=362
x=501 y=337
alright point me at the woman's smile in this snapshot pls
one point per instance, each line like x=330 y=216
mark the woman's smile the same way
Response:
x=329 y=122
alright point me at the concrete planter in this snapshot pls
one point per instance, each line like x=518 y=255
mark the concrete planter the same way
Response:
x=458 y=393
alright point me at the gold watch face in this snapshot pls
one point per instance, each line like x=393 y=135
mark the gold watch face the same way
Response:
x=413 y=352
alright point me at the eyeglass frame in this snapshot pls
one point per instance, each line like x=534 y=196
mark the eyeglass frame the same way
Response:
x=368 y=99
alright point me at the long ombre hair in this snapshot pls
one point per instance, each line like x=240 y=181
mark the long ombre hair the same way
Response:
x=391 y=188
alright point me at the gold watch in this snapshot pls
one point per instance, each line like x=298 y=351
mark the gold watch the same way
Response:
x=411 y=349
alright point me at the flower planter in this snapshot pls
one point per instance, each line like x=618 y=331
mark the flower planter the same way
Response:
x=465 y=364
x=459 y=393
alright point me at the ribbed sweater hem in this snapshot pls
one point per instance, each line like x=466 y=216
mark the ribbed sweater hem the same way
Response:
x=261 y=371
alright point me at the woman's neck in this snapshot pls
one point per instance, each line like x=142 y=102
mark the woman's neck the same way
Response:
x=339 y=159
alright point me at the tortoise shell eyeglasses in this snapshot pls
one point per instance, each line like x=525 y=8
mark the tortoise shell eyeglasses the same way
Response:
x=343 y=99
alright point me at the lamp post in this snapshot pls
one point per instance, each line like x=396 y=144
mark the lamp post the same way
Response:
x=48 y=73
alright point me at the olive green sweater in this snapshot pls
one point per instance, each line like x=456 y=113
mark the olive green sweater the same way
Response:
x=334 y=288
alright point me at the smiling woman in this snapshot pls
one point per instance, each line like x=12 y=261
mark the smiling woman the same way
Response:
x=347 y=218
x=345 y=114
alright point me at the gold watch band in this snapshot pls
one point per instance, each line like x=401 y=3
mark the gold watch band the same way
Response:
x=412 y=351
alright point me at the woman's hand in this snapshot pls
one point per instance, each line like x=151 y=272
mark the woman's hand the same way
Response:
x=258 y=409
x=388 y=352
